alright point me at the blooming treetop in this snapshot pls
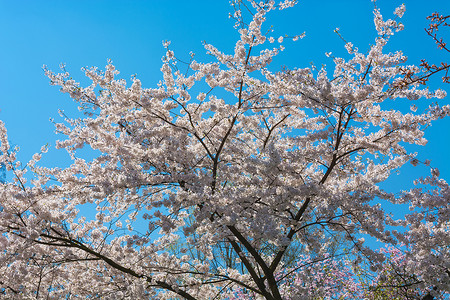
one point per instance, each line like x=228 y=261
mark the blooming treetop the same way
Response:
x=231 y=158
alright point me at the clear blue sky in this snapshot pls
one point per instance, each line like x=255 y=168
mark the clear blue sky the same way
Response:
x=88 y=32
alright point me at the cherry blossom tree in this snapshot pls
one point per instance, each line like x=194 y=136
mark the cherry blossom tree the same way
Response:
x=229 y=180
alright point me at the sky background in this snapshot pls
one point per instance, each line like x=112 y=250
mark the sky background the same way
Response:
x=87 y=33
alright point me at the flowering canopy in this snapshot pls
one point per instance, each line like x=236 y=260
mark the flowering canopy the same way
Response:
x=251 y=183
